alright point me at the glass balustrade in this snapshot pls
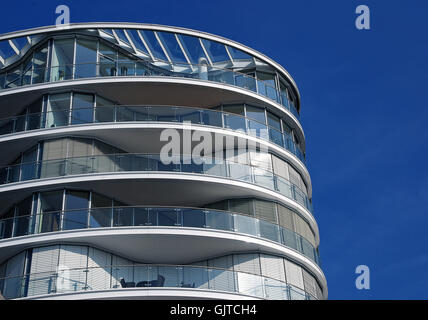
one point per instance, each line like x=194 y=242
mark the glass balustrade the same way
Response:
x=143 y=276
x=140 y=216
x=137 y=68
x=129 y=162
x=121 y=113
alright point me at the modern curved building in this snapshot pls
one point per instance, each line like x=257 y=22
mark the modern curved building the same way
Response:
x=91 y=207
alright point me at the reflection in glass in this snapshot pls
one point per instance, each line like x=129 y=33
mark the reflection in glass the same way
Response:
x=82 y=108
x=76 y=206
x=58 y=110
x=86 y=58
x=62 y=60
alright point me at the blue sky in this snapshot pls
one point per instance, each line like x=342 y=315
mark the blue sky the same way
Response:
x=364 y=113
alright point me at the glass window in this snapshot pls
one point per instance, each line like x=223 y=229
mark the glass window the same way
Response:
x=83 y=107
x=86 y=58
x=133 y=34
x=242 y=206
x=172 y=47
x=238 y=54
x=107 y=61
x=153 y=44
x=256 y=113
x=193 y=48
x=62 y=60
x=266 y=85
x=76 y=210
x=50 y=207
x=273 y=121
x=39 y=64
x=58 y=110
x=216 y=50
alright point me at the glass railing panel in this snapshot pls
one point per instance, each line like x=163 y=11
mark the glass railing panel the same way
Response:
x=22 y=226
x=240 y=172
x=189 y=115
x=105 y=164
x=53 y=168
x=29 y=171
x=166 y=114
x=49 y=222
x=124 y=113
x=257 y=129
x=123 y=276
x=20 y=123
x=195 y=277
x=212 y=118
x=168 y=217
x=42 y=283
x=219 y=220
x=33 y=121
x=168 y=276
x=296 y=293
x=275 y=290
x=216 y=169
x=126 y=68
x=276 y=137
x=264 y=178
x=289 y=239
x=7 y=126
x=193 y=218
x=269 y=231
x=105 y=114
x=246 y=82
x=307 y=249
x=80 y=165
x=98 y=278
x=6 y=228
x=14 y=174
x=246 y=225
x=234 y=122
x=123 y=217
x=250 y=284
x=75 y=219
x=100 y=217
x=284 y=187
x=222 y=280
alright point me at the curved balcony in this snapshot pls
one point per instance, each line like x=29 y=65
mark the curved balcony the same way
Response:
x=120 y=114
x=128 y=162
x=141 y=69
x=141 y=216
x=149 y=277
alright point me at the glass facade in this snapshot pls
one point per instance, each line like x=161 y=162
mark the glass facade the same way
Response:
x=118 y=53
x=72 y=268
x=61 y=136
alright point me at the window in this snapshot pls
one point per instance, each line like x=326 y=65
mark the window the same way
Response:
x=62 y=60
x=86 y=58
x=58 y=110
x=39 y=64
x=256 y=113
x=50 y=208
x=266 y=85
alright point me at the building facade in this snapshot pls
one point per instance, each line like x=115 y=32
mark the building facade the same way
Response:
x=93 y=207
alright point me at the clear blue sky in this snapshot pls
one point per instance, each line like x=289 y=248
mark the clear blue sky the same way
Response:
x=364 y=112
